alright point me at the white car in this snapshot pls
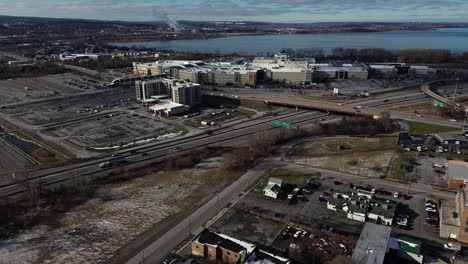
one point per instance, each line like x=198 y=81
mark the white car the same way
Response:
x=453 y=246
x=429 y=209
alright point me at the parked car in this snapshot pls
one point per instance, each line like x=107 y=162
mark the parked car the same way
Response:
x=337 y=182
x=431 y=223
x=314 y=184
x=453 y=246
x=430 y=209
x=323 y=199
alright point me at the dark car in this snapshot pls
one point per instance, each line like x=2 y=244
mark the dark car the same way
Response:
x=144 y=154
x=323 y=199
x=337 y=182
x=431 y=223
x=314 y=184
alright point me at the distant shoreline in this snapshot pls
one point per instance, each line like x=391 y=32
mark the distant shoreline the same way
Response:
x=191 y=36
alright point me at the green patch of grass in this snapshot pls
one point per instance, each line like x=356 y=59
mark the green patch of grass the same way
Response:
x=350 y=145
x=278 y=229
x=192 y=124
x=246 y=112
x=256 y=105
x=419 y=128
x=170 y=117
x=400 y=165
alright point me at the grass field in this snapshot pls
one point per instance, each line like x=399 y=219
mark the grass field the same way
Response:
x=192 y=124
x=369 y=157
x=419 y=128
x=350 y=145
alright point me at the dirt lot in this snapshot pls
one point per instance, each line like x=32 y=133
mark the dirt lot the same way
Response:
x=92 y=231
x=361 y=156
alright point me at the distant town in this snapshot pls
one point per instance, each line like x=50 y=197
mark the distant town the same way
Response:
x=138 y=155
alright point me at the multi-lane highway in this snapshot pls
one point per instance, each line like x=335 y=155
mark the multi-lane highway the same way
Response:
x=12 y=188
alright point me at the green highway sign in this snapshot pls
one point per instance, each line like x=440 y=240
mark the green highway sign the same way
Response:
x=278 y=123
x=437 y=103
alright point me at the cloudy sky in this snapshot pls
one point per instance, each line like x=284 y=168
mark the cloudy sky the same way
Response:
x=252 y=10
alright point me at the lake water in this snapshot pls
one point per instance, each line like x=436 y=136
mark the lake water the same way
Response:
x=454 y=39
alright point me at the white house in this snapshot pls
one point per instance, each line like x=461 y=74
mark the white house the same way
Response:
x=273 y=188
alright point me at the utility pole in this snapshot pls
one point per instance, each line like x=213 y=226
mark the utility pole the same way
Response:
x=464 y=122
x=410 y=182
x=455 y=92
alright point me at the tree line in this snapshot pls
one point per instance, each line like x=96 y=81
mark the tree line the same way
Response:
x=39 y=69
x=430 y=56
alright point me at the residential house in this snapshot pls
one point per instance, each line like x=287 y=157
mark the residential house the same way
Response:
x=273 y=187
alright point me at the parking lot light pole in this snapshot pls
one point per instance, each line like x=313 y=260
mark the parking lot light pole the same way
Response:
x=464 y=122
x=455 y=92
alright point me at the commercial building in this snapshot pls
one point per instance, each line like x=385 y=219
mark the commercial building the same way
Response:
x=215 y=247
x=290 y=75
x=404 y=248
x=185 y=93
x=453 y=142
x=86 y=56
x=340 y=73
x=457 y=174
x=169 y=96
x=376 y=245
x=146 y=89
x=359 y=207
x=400 y=68
x=372 y=245
x=454 y=218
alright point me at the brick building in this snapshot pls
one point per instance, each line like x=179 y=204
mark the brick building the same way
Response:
x=457 y=174
x=216 y=247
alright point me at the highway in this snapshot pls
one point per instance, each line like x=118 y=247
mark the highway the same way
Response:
x=50 y=179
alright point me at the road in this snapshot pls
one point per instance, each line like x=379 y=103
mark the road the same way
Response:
x=155 y=250
x=50 y=179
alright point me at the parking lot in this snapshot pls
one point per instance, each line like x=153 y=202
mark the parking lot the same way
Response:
x=29 y=89
x=310 y=211
x=41 y=113
x=111 y=128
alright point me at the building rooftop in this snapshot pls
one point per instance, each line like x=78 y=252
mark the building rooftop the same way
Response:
x=165 y=105
x=447 y=210
x=457 y=169
x=208 y=237
x=372 y=244
x=408 y=244
x=348 y=69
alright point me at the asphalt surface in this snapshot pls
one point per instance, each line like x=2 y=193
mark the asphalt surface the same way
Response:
x=52 y=178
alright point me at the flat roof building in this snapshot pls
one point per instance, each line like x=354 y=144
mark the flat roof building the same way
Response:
x=372 y=245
